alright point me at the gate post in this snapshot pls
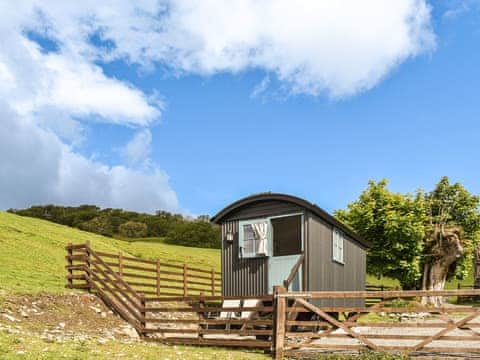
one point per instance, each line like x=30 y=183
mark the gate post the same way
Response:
x=279 y=316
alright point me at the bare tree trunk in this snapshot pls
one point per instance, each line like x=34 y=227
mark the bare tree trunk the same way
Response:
x=435 y=280
x=445 y=248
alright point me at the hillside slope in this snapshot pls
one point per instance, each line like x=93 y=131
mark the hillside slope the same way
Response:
x=32 y=254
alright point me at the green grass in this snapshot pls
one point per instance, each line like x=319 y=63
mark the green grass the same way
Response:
x=156 y=248
x=32 y=348
x=450 y=285
x=385 y=281
x=33 y=256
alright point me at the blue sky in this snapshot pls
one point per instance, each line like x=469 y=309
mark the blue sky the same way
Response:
x=216 y=140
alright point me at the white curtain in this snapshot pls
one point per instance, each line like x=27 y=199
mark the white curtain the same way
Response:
x=260 y=230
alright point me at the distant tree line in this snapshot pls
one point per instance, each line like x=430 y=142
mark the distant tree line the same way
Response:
x=174 y=228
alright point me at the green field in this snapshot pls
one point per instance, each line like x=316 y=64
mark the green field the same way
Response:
x=33 y=257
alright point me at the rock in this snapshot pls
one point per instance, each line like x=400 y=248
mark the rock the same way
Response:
x=48 y=339
x=24 y=314
x=103 y=314
x=97 y=310
x=102 y=341
x=62 y=325
x=10 y=318
x=130 y=332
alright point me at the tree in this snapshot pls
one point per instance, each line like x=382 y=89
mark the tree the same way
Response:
x=451 y=234
x=394 y=225
x=195 y=233
x=99 y=225
x=133 y=229
x=422 y=240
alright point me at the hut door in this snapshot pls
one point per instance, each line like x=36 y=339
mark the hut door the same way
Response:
x=286 y=241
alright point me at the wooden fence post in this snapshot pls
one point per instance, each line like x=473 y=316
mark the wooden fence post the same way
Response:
x=120 y=265
x=185 y=280
x=213 y=282
x=201 y=304
x=143 y=314
x=279 y=316
x=158 y=277
x=88 y=264
x=70 y=264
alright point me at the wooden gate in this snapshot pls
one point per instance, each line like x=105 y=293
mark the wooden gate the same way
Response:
x=395 y=322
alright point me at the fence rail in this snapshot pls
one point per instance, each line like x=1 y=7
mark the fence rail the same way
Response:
x=147 y=277
x=169 y=303
x=400 y=322
x=178 y=304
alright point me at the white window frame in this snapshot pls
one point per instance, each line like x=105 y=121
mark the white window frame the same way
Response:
x=338 y=246
x=241 y=240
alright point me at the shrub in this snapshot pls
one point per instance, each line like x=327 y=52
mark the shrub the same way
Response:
x=98 y=225
x=195 y=233
x=133 y=229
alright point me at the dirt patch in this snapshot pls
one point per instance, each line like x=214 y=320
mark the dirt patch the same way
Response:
x=61 y=317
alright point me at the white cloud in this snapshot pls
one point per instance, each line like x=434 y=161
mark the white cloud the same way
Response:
x=46 y=97
x=457 y=8
x=37 y=168
x=260 y=87
x=314 y=46
x=138 y=149
x=338 y=48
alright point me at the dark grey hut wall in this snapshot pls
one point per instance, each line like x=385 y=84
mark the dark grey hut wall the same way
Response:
x=324 y=274
x=247 y=276
x=241 y=276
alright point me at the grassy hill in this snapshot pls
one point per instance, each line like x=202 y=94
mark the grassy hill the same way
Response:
x=33 y=257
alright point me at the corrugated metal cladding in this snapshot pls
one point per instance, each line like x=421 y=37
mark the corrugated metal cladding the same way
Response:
x=241 y=276
x=328 y=275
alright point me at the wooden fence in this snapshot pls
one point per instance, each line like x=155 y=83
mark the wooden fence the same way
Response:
x=286 y=322
x=193 y=312
x=398 y=323
x=151 y=278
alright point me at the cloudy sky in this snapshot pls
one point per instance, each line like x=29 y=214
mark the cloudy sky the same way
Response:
x=188 y=105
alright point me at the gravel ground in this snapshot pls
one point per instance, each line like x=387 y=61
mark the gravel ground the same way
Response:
x=57 y=318
x=422 y=331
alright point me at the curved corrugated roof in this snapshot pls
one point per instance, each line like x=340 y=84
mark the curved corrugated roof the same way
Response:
x=222 y=214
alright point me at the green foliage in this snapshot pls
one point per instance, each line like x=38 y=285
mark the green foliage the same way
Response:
x=98 y=225
x=452 y=205
x=393 y=224
x=397 y=226
x=111 y=222
x=133 y=229
x=195 y=233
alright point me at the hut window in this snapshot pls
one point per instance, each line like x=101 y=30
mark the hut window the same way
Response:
x=253 y=238
x=337 y=246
